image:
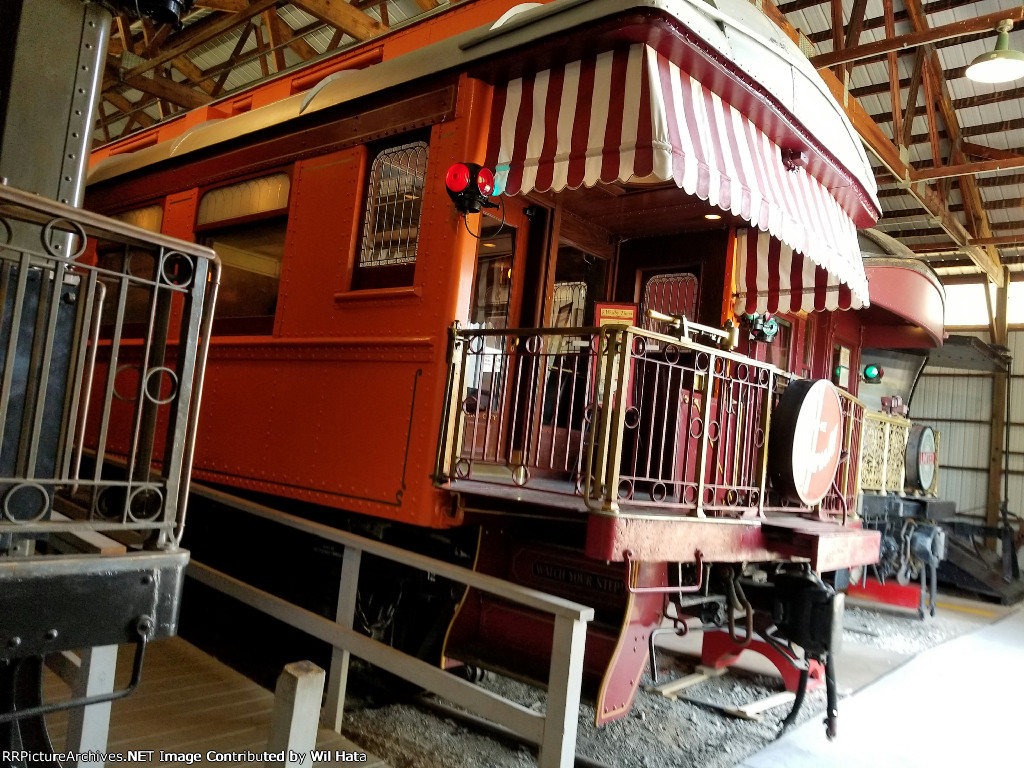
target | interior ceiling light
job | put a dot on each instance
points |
(1001, 65)
(712, 216)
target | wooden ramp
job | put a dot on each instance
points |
(188, 702)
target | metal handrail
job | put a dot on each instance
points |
(554, 730)
(506, 388)
(112, 323)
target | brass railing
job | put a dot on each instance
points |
(615, 416)
(842, 499)
(883, 452)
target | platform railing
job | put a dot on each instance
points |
(883, 452)
(102, 349)
(616, 416)
(841, 501)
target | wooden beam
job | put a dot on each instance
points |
(902, 42)
(979, 100)
(124, 31)
(990, 153)
(169, 90)
(262, 47)
(856, 25)
(1000, 240)
(228, 6)
(340, 14)
(280, 30)
(193, 74)
(428, 5)
(930, 97)
(837, 26)
(996, 96)
(915, 87)
(1000, 404)
(155, 38)
(975, 130)
(964, 169)
(235, 53)
(878, 22)
(128, 108)
(1001, 181)
(336, 39)
(926, 196)
(894, 74)
(277, 39)
(1008, 226)
(999, 205)
(202, 32)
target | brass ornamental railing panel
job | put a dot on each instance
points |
(883, 453)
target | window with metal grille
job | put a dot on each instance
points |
(391, 221)
(672, 294)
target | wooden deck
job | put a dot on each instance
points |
(188, 702)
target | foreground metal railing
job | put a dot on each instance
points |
(102, 348)
(883, 453)
(553, 730)
(616, 416)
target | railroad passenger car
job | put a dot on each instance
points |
(577, 369)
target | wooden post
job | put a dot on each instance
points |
(88, 727)
(334, 707)
(1000, 337)
(296, 717)
(558, 743)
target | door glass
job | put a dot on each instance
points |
(492, 286)
(580, 280)
(489, 310)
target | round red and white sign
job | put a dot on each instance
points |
(806, 441)
(920, 458)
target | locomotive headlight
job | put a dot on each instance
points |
(469, 185)
(873, 373)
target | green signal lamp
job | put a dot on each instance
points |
(873, 373)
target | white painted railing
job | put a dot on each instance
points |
(554, 731)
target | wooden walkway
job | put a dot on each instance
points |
(188, 702)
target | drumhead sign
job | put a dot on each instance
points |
(806, 441)
(920, 458)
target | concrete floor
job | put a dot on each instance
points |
(957, 704)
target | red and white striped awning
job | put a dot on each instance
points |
(772, 277)
(632, 115)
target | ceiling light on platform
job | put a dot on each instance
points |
(712, 216)
(1001, 65)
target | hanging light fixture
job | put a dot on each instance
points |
(1001, 65)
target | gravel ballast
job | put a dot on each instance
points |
(658, 732)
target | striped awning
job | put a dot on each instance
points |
(772, 277)
(632, 115)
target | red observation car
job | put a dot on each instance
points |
(575, 366)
